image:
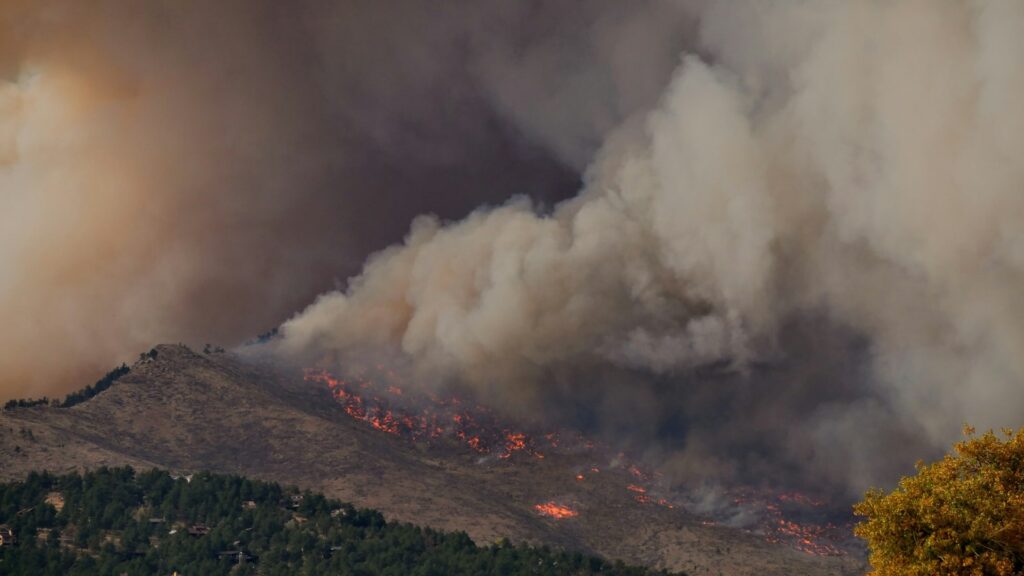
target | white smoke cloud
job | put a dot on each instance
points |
(857, 161)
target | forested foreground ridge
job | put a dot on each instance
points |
(119, 521)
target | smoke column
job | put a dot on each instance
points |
(196, 171)
(825, 200)
(752, 239)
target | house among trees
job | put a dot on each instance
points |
(238, 556)
(66, 539)
(6, 536)
(56, 500)
(198, 530)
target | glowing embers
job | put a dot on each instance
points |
(514, 442)
(386, 406)
(555, 510)
(794, 519)
(376, 415)
(640, 495)
(813, 539)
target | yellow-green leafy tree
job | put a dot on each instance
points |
(962, 515)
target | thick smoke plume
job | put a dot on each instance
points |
(755, 239)
(197, 171)
(807, 255)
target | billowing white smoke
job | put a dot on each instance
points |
(858, 161)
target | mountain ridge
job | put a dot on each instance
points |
(189, 411)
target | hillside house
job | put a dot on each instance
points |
(55, 499)
(6, 536)
(67, 536)
(198, 530)
(238, 556)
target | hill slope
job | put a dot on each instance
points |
(188, 411)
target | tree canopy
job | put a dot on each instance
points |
(962, 515)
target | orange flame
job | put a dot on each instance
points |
(556, 511)
(445, 417)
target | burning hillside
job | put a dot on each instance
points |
(377, 397)
(747, 242)
(188, 411)
(388, 407)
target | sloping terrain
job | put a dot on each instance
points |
(188, 411)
